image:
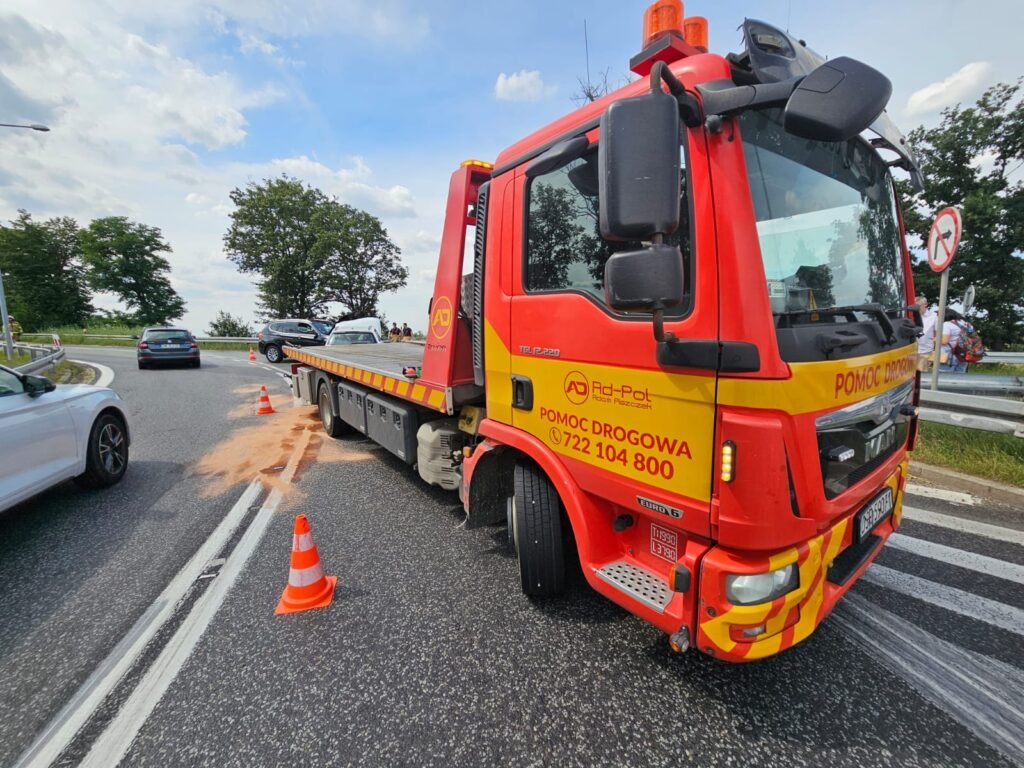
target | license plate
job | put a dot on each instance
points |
(876, 510)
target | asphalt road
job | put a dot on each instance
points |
(429, 653)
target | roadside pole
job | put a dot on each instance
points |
(8, 339)
(943, 238)
(943, 294)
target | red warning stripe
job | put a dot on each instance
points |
(416, 391)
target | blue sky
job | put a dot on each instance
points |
(159, 109)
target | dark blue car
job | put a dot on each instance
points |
(167, 345)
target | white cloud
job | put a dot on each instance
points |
(524, 85)
(965, 83)
(349, 185)
(136, 130)
(250, 43)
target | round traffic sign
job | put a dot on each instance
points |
(943, 238)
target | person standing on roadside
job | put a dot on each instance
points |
(395, 334)
(949, 362)
(15, 328)
(926, 341)
(406, 332)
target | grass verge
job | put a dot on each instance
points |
(72, 373)
(996, 369)
(972, 451)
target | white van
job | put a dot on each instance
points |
(363, 330)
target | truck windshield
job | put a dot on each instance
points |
(826, 219)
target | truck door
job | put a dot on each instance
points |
(585, 379)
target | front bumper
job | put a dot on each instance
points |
(789, 619)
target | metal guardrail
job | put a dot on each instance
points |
(991, 414)
(42, 357)
(981, 384)
(1004, 357)
(208, 339)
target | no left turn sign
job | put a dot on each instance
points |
(943, 239)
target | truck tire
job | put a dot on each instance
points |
(537, 532)
(333, 426)
(273, 353)
(106, 454)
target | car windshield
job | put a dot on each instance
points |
(322, 327)
(168, 336)
(826, 219)
(352, 337)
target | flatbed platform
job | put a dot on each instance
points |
(380, 367)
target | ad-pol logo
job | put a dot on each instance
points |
(578, 389)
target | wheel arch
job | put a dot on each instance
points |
(516, 444)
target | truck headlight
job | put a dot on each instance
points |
(751, 588)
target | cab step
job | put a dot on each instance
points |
(639, 583)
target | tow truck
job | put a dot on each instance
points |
(685, 350)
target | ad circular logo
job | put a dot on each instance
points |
(441, 318)
(577, 388)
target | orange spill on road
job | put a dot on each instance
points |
(264, 447)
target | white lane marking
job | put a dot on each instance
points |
(106, 374)
(955, 497)
(968, 604)
(958, 557)
(62, 729)
(113, 744)
(1011, 535)
(984, 694)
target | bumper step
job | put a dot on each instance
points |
(642, 585)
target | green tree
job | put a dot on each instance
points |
(229, 325)
(125, 258)
(44, 275)
(309, 250)
(360, 261)
(969, 161)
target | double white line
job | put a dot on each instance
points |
(113, 743)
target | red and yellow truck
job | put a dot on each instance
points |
(684, 351)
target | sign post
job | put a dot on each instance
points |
(943, 238)
(8, 340)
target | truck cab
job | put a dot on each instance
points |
(726, 424)
(685, 352)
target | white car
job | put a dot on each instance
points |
(49, 434)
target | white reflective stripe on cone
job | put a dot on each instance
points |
(302, 542)
(303, 577)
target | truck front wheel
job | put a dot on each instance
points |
(536, 532)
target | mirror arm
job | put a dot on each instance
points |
(729, 101)
(689, 107)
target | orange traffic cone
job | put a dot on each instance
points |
(307, 586)
(252, 353)
(264, 407)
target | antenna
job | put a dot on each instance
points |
(586, 51)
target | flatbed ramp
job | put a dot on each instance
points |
(379, 367)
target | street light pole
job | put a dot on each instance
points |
(33, 126)
(8, 338)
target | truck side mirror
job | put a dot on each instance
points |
(837, 101)
(638, 167)
(650, 280)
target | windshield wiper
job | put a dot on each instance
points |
(877, 311)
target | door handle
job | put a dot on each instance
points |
(522, 393)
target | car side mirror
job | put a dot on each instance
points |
(837, 101)
(639, 167)
(644, 281)
(37, 385)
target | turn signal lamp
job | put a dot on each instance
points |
(728, 461)
(695, 32)
(663, 17)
